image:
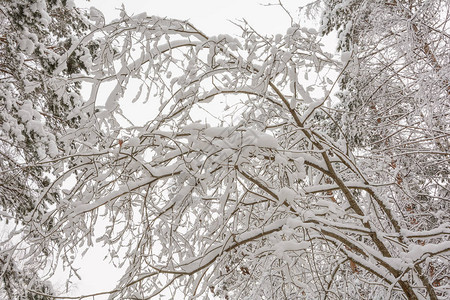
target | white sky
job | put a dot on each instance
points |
(208, 15)
(211, 17)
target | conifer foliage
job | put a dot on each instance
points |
(35, 110)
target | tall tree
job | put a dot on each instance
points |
(270, 196)
(37, 106)
(396, 101)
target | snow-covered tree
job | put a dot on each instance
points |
(15, 278)
(395, 101)
(36, 108)
(36, 105)
(248, 180)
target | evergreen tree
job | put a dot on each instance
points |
(37, 106)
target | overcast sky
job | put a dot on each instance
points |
(210, 16)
